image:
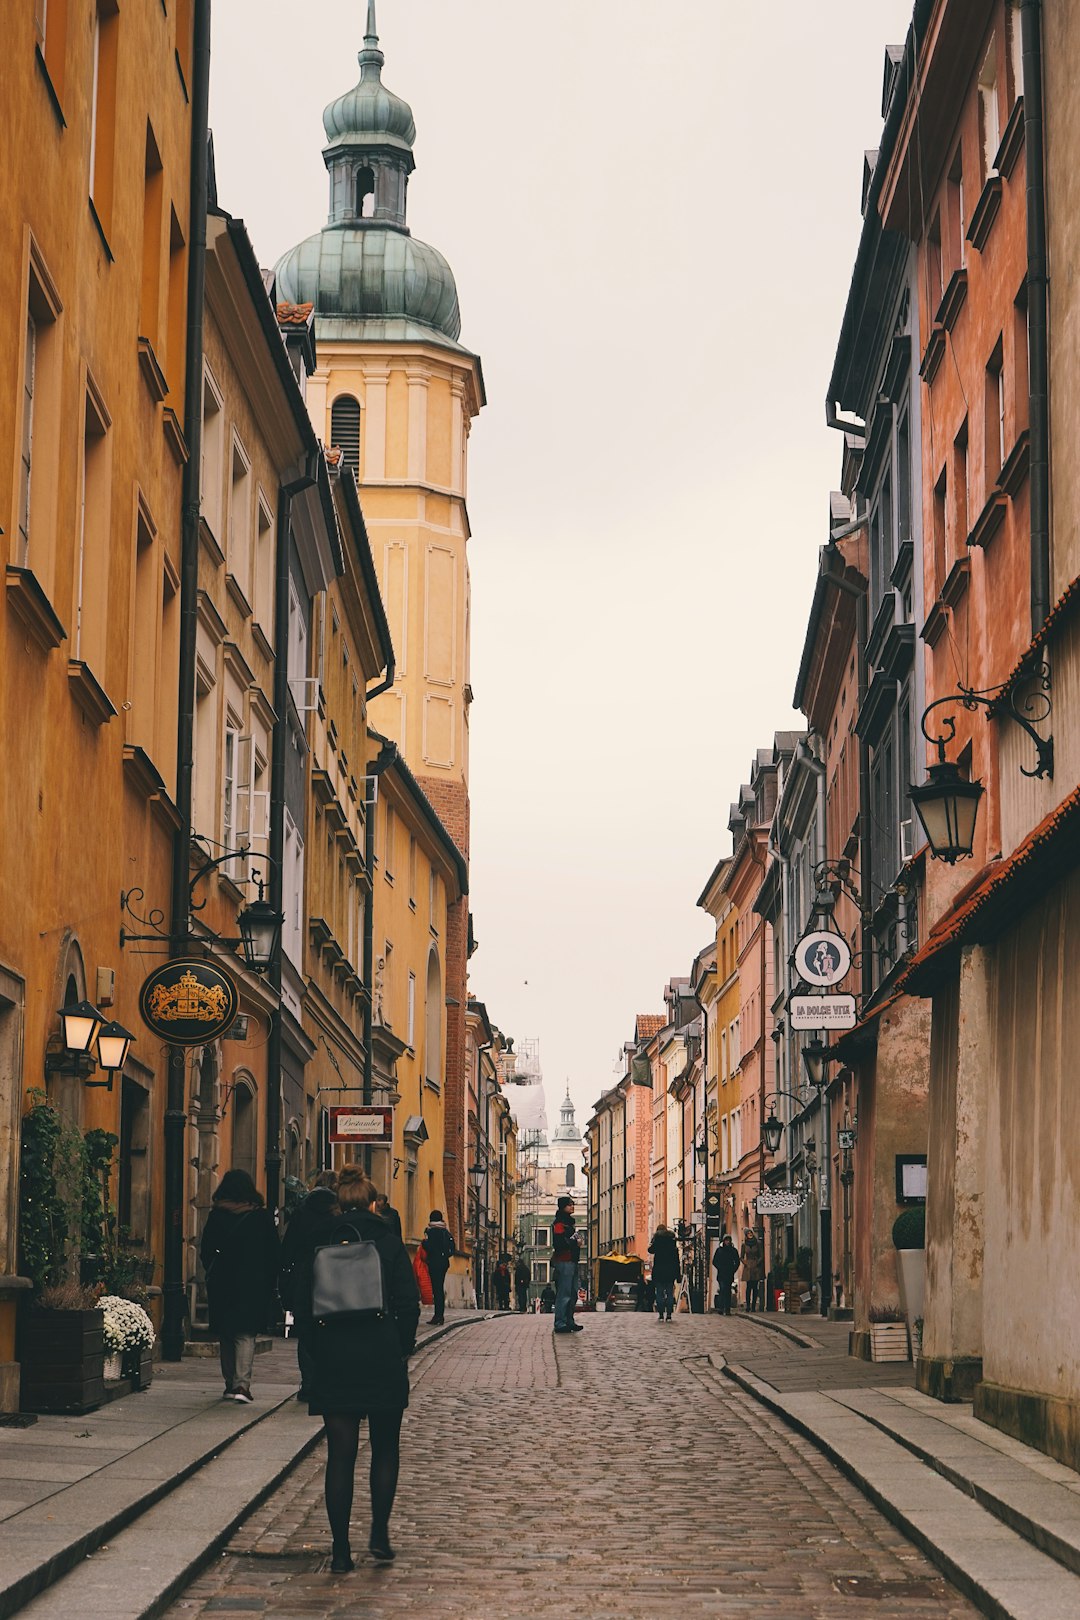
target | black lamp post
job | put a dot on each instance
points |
(477, 1172)
(260, 930)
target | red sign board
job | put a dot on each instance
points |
(361, 1124)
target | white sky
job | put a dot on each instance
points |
(652, 212)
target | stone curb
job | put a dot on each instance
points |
(1004, 1575)
(765, 1319)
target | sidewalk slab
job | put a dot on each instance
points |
(988, 1560)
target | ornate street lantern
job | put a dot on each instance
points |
(947, 805)
(81, 1024)
(772, 1131)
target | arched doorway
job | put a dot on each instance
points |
(245, 1127)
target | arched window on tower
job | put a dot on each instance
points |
(345, 431)
(570, 1173)
(365, 193)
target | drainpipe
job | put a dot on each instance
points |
(812, 763)
(172, 1331)
(374, 771)
(286, 495)
(866, 938)
(1037, 317)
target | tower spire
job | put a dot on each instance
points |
(371, 58)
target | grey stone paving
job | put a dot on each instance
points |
(682, 1496)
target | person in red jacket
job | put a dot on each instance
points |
(566, 1251)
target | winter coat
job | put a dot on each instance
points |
(564, 1243)
(312, 1212)
(726, 1263)
(522, 1277)
(361, 1365)
(439, 1246)
(240, 1253)
(665, 1253)
(753, 1262)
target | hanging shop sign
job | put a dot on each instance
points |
(361, 1124)
(822, 1012)
(822, 958)
(189, 1002)
(779, 1203)
(845, 1140)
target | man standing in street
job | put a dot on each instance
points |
(565, 1253)
(752, 1259)
(439, 1246)
(725, 1264)
(521, 1284)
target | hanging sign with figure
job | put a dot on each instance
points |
(822, 958)
(189, 1002)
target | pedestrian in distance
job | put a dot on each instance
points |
(666, 1270)
(565, 1252)
(521, 1285)
(360, 1370)
(312, 1212)
(439, 1248)
(385, 1208)
(240, 1255)
(752, 1259)
(547, 1299)
(503, 1279)
(725, 1264)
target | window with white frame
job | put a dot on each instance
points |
(238, 538)
(541, 1237)
(212, 471)
(539, 1271)
(411, 1024)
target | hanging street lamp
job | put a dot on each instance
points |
(817, 1056)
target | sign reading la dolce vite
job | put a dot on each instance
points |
(188, 1002)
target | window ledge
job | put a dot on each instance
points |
(32, 607)
(933, 354)
(210, 544)
(174, 436)
(236, 592)
(96, 217)
(54, 99)
(1015, 469)
(152, 374)
(989, 520)
(951, 594)
(141, 772)
(88, 693)
(1012, 141)
(986, 211)
(262, 640)
(952, 300)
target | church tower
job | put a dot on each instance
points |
(396, 392)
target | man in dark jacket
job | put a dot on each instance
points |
(566, 1251)
(725, 1264)
(439, 1248)
(666, 1270)
(521, 1285)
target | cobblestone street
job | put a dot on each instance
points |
(616, 1473)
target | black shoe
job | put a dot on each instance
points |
(380, 1549)
(436, 1321)
(341, 1562)
(576, 1327)
(562, 1330)
(669, 1318)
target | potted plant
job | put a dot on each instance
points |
(888, 1334)
(909, 1240)
(62, 1351)
(128, 1336)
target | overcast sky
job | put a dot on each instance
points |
(652, 212)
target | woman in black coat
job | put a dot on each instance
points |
(666, 1269)
(239, 1252)
(360, 1369)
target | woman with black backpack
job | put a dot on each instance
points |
(239, 1252)
(360, 1364)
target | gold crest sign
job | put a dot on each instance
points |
(189, 1002)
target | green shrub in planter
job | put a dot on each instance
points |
(909, 1228)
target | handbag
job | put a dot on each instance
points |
(347, 1279)
(423, 1276)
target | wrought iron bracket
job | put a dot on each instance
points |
(1027, 710)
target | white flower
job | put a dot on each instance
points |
(127, 1326)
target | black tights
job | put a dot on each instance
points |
(342, 1444)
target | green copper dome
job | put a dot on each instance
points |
(367, 277)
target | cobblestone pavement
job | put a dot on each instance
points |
(612, 1475)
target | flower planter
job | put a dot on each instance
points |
(113, 1368)
(138, 1365)
(63, 1361)
(889, 1341)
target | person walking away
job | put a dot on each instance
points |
(240, 1254)
(312, 1212)
(439, 1248)
(547, 1299)
(725, 1264)
(752, 1258)
(521, 1285)
(666, 1270)
(503, 1281)
(385, 1208)
(566, 1251)
(360, 1370)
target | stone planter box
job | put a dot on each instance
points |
(63, 1361)
(889, 1341)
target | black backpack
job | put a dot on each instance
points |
(347, 1279)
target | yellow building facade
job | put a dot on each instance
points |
(397, 392)
(95, 124)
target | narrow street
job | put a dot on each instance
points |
(617, 1473)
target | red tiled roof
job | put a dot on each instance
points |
(294, 314)
(646, 1025)
(971, 916)
(1067, 602)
